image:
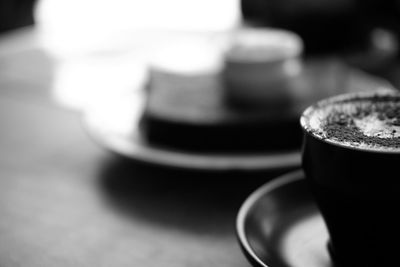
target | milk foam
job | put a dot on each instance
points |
(365, 114)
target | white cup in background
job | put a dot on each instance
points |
(261, 66)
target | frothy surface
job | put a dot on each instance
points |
(363, 120)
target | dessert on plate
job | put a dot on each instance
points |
(189, 104)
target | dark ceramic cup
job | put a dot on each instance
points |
(357, 188)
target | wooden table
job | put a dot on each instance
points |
(64, 201)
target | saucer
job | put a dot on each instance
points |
(279, 225)
(114, 124)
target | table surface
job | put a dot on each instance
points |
(64, 201)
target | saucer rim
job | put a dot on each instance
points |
(249, 203)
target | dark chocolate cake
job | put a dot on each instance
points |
(192, 115)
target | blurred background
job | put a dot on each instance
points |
(364, 33)
(66, 201)
(326, 25)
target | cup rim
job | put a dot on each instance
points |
(304, 118)
(266, 36)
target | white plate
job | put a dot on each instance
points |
(114, 124)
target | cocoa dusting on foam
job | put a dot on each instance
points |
(366, 122)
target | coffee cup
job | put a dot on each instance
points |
(351, 159)
(261, 68)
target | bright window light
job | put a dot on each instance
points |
(103, 47)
